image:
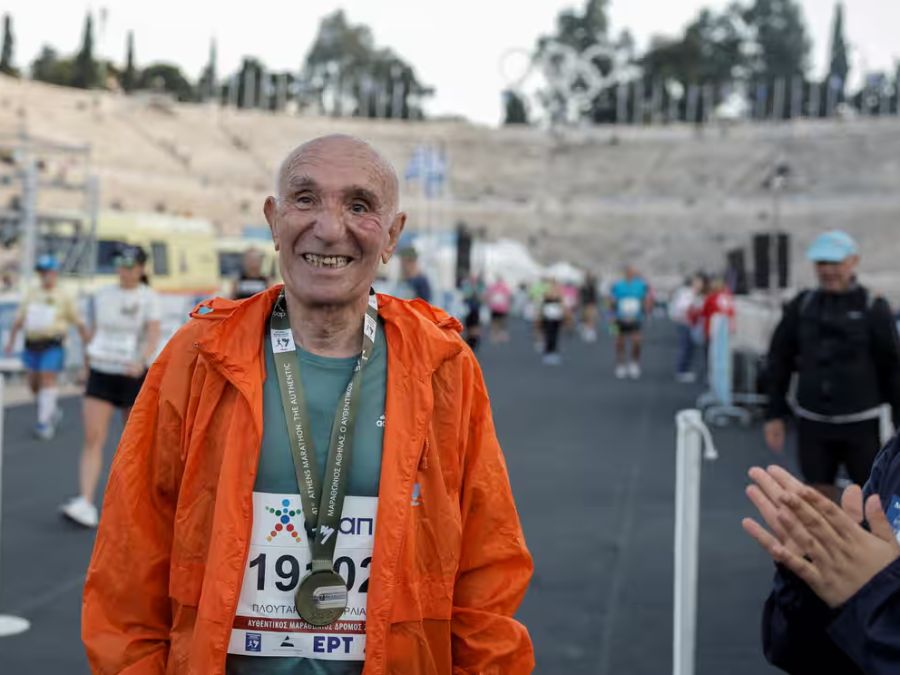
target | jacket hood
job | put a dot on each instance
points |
(230, 332)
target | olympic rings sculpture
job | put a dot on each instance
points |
(569, 78)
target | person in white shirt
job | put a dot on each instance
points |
(126, 332)
(684, 308)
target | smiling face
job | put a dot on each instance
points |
(334, 220)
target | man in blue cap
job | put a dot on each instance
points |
(833, 606)
(841, 341)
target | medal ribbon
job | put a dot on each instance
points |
(322, 508)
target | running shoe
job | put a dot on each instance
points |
(634, 370)
(79, 510)
(44, 431)
(686, 378)
(621, 371)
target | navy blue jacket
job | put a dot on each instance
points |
(802, 635)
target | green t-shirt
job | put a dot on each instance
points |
(324, 381)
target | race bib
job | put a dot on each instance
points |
(498, 300)
(116, 347)
(629, 308)
(553, 311)
(39, 317)
(266, 622)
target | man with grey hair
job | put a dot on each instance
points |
(310, 481)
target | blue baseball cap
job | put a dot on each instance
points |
(46, 263)
(832, 247)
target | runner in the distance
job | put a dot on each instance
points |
(499, 299)
(629, 300)
(553, 314)
(126, 331)
(588, 296)
(46, 313)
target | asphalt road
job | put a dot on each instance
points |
(592, 463)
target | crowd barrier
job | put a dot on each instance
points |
(693, 445)
(9, 625)
(720, 403)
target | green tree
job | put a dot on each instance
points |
(49, 67)
(780, 41)
(710, 51)
(347, 72)
(839, 66)
(85, 73)
(515, 111)
(6, 57)
(583, 29)
(896, 106)
(129, 75)
(168, 78)
(207, 84)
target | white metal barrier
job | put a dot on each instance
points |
(694, 443)
(9, 625)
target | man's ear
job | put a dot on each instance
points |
(270, 209)
(394, 233)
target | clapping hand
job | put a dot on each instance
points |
(823, 544)
(767, 492)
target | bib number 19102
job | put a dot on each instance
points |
(288, 571)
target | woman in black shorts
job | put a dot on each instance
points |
(126, 331)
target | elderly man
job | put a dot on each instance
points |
(310, 481)
(841, 341)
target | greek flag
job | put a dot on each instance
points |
(429, 165)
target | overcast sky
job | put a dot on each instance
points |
(455, 45)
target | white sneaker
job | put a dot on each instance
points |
(686, 377)
(634, 370)
(81, 511)
(621, 371)
(552, 360)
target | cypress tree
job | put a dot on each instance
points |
(85, 71)
(129, 77)
(6, 57)
(838, 66)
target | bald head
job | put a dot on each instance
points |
(341, 147)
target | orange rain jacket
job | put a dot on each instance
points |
(166, 572)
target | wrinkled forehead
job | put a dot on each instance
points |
(337, 165)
